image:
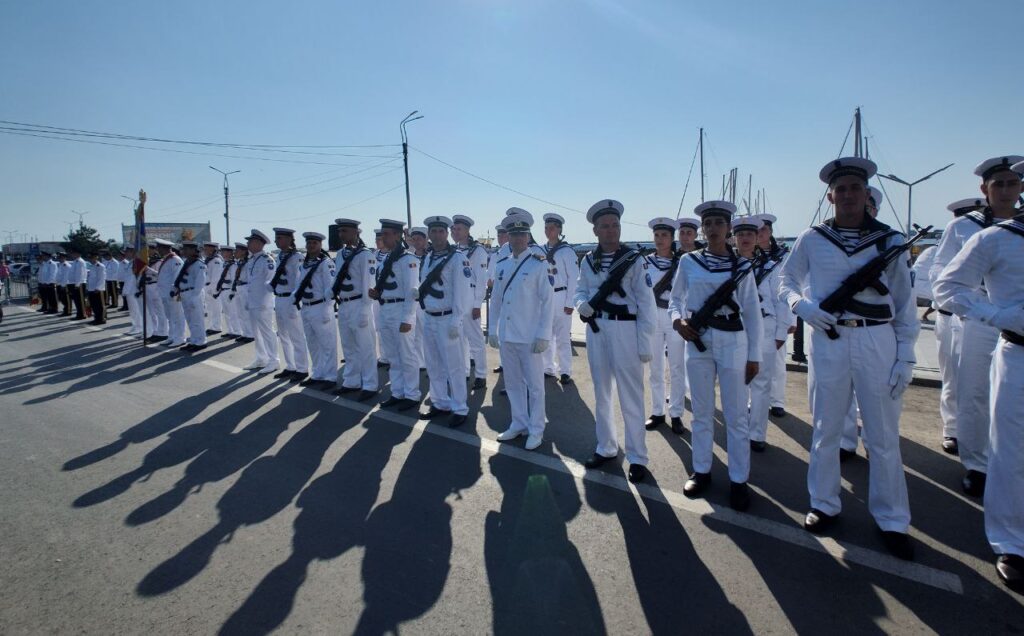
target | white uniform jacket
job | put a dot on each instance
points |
(637, 284)
(522, 299)
(257, 273)
(401, 285)
(452, 292)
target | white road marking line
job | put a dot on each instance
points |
(839, 550)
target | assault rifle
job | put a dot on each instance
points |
(867, 276)
(720, 297)
(610, 285)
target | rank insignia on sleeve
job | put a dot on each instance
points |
(467, 272)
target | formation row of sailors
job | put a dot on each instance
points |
(72, 281)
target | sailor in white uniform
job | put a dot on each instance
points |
(156, 319)
(418, 246)
(732, 342)
(95, 287)
(565, 269)
(378, 260)
(394, 289)
(620, 317)
(522, 304)
(218, 293)
(767, 243)
(445, 295)
(354, 268)
(236, 295)
(189, 289)
(665, 342)
(174, 314)
(259, 302)
(290, 328)
(985, 283)
(312, 294)
(872, 357)
(501, 251)
(130, 289)
(1001, 187)
(214, 269)
(473, 335)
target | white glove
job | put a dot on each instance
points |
(899, 379)
(493, 341)
(1009, 318)
(416, 293)
(540, 345)
(586, 311)
(453, 331)
(814, 315)
(645, 357)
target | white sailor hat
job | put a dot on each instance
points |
(1018, 167)
(463, 219)
(845, 166)
(501, 228)
(663, 223)
(551, 217)
(346, 222)
(376, 232)
(437, 221)
(241, 246)
(389, 224)
(511, 211)
(283, 230)
(212, 244)
(989, 167)
(767, 219)
(518, 223)
(966, 205)
(189, 244)
(256, 234)
(688, 220)
(603, 207)
(226, 247)
(715, 208)
(313, 236)
(876, 195)
(752, 223)
(418, 230)
(159, 242)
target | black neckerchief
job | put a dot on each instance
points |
(872, 233)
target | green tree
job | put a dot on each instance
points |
(84, 239)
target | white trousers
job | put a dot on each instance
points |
(227, 309)
(262, 321)
(195, 319)
(175, 316)
(156, 319)
(374, 321)
(760, 388)
(359, 348)
(524, 382)
(213, 310)
(291, 333)
(948, 334)
(667, 346)
(135, 312)
(851, 434)
(419, 339)
(726, 358)
(321, 337)
(560, 346)
(860, 362)
(1004, 487)
(245, 326)
(615, 360)
(446, 365)
(400, 349)
(972, 399)
(474, 345)
(778, 397)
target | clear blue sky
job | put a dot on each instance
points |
(569, 101)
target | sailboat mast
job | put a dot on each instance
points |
(857, 151)
(701, 144)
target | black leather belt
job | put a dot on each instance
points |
(858, 322)
(345, 300)
(315, 302)
(282, 295)
(558, 289)
(388, 301)
(1014, 337)
(240, 283)
(945, 313)
(436, 314)
(606, 316)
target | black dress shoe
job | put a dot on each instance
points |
(408, 403)
(597, 459)
(677, 426)
(391, 401)
(758, 446)
(654, 421)
(240, 338)
(974, 483)
(343, 390)
(739, 496)
(230, 335)
(696, 484)
(950, 445)
(457, 420)
(565, 379)
(433, 413)
(497, 369)
(365, 395)
(78, 318)
(817, 521)
(198, 347)
(636, 473)
(1010, 568)
(297, 377)
(210, 332)
(846, 454)
(550, 376)
(479, 383)
(898, 544)
(189, 348)
(156, 338)
(309, 382)
(777, 411)
(283, 374)
(97, 322)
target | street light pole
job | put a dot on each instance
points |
(227, 227)
(405, 162)
(910, 193)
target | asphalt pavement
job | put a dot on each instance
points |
(149, 491)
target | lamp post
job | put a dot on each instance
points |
(910, 191)
(227, 227)
(405, 162)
